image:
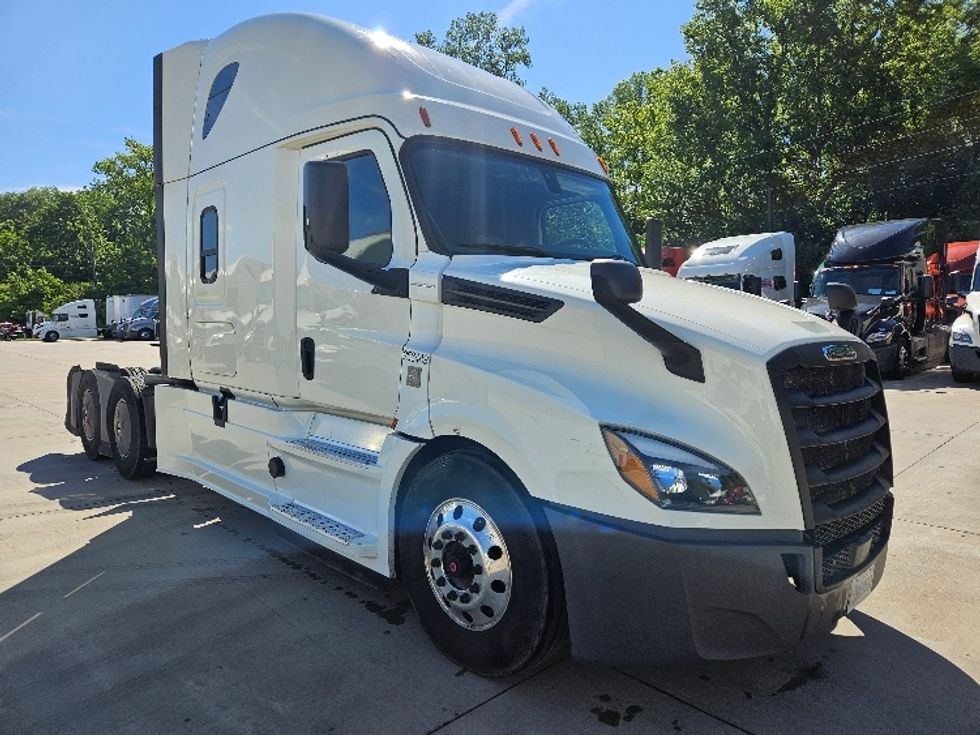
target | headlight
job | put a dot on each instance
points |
(675, 478)
(877, 338)
(958, 337)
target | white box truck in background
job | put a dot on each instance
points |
(764, 264)
(964, 337)
(72, 320)
(119, 309)
(401, 316)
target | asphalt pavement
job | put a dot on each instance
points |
(159, 607)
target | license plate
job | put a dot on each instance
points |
(860, 587)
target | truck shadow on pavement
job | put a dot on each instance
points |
(169, 608)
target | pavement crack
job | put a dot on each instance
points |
(683, 701)
(28, 403)
(937, 448)
(490, 699)
(935, 525)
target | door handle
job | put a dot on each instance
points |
(307, 356)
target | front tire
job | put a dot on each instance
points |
(903, 360)
(146, 334)
(51, 336)
(480, 566)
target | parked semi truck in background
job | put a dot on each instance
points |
(72, 320)
(898, 309)
(764, 264)
(120, 309)
(964, 338)
(404, 319)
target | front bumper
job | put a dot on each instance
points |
(636, 597)
(965, 358)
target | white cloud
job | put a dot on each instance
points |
(511, 10)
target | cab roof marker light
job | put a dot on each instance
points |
(517, 136)
(424, 114)
(537, 141)
(602, 163)
(554, 146)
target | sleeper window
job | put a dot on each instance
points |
(209, 245)
(220, 88)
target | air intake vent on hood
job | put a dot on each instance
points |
(498, 300)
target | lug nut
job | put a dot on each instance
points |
(437, 546)
(472, 549)
(447, 534)
(459, 536)
(452, 595)
(464, 598)
(441, 581)
(477, 569)
(437, 562)
(475, 588)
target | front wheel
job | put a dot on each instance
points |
(146, 334)
(903, 360)
(51, 336)
(480, 566)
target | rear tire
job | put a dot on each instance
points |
(480, 566)
(89, 415)
(127, 429)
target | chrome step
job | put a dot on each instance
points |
(360, 543)
(312, 447)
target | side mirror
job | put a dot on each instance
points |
(926, 287)
(841, 297)
(654, 247)
(752, 284)
(326, 228)
(616, 280)
(779, 282)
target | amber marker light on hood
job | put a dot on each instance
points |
(424, 114)
(517, 136)
(537, 141)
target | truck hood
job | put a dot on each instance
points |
(690, 309)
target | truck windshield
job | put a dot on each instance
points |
(726, 280)
(478, 200)
(874, 280)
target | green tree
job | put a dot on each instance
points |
(801, 116)
(36, 288)
(120, 207)
(480, 40)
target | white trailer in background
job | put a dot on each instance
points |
(121, 308)
(768, 256)
(402, 317)
(72, 320)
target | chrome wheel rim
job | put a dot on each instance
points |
(468, 564)
(89, 412)
(120, 427)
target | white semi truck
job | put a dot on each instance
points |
(964, 335)
(403, 317)
(763, 263)
(72, 320)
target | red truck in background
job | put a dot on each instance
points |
(673, 258)
(960, 257)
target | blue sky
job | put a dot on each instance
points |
(76, 77)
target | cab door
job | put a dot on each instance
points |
(352, 307)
